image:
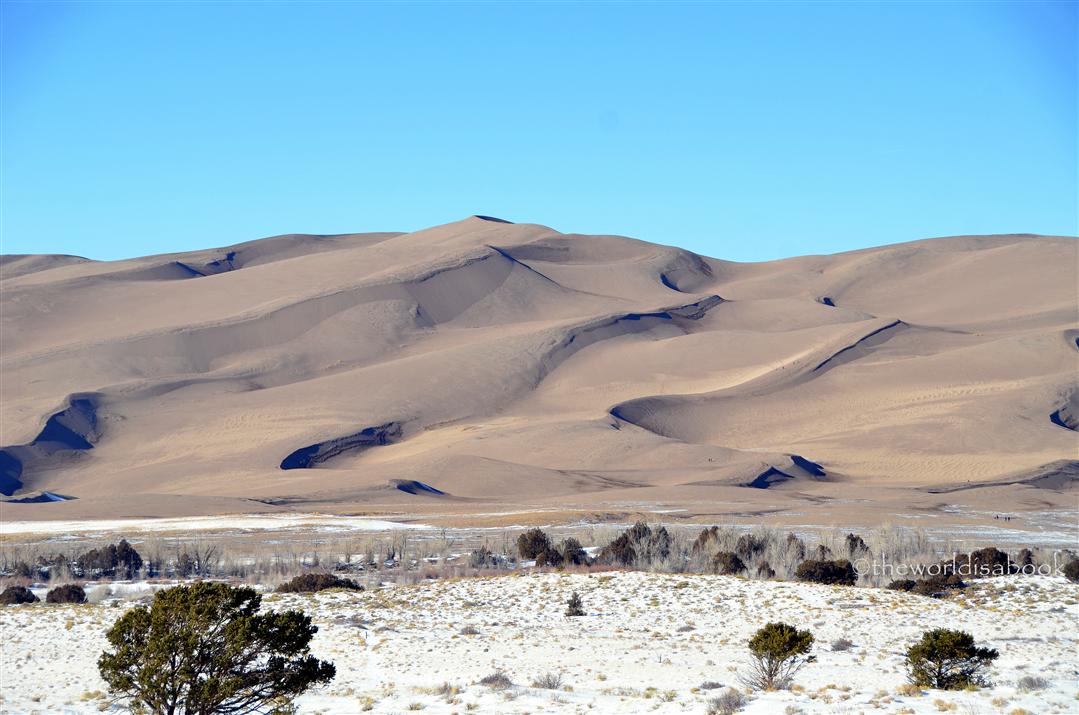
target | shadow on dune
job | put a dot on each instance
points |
(412, 486)
(74, 429)
(314, 454)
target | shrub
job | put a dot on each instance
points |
(639, 545)
(901, 584)
(69, 593)
(548, 681)
(834, 572)
(532, 543)
(705, 538)
(206, 648)
(710, 685)
(573, 553)
(841, 644)
(779, 651)
(482, 558)
(1071, 570)
(948, 660)
(986, 562)
(855, 545)
(1025, 557)
(497, 680)
(821, 553)
(750, 546)
(313, 582)
(186, 565)
(549, 557)
(17, 594)
(796, 548)
(470, 631)
(575, 605)
(765, 570)
(113, 561)
(727, 562)
(730, 702)
(1030, 683)
(937, 586)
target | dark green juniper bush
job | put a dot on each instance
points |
(119, 561)
(948, 660)
(17, 594)
(313, 582)
(206, 649)
(779, 651)
(68, 593)
(575, 605)
(834, 572)
(532, 543)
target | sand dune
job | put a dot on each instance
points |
(485, 362)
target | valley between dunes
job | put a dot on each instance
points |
(488, 372)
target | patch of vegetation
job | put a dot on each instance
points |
(727, 562)
(640, 545)
(938, 586)
(497, 680)
(68, 593)
(841, 644)
(989, 561)
(749, 546)
(901, 584)
(855, 546)
(313, 582)
(1031, 683)
(778, 650)
(532, 543)
(207, 648)
(705, 539)
(119, 561)
(730, 702)
(535, 544)
(832, 572)
(575, 605)
(1071, 570)
(949, 660)
(573, 554)
(17, 594)
(483, 558)
(548, 681)
(796, 548)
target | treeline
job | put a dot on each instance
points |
(898, 559)
(771, 555)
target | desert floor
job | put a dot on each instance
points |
(647, 644)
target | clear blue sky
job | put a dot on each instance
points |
(742, 131)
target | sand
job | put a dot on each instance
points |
(485, 367)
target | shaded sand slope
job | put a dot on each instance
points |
(506, 363)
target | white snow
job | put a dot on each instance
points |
(248, 522)
(394, 647)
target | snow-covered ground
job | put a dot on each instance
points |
(647, 643)
(239, 522)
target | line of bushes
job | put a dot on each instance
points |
(761, 554)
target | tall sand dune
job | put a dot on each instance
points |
(486, 363)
